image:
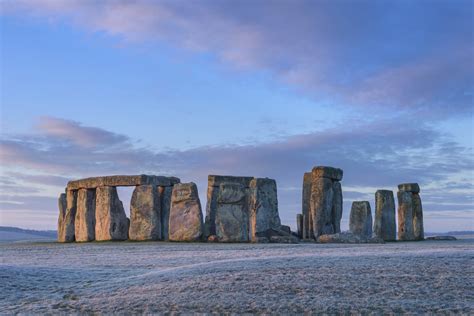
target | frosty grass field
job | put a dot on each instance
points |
(47, 277)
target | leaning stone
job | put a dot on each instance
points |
(232, 215)
(441, 238)
(384, 223)
(337, 206)
(85, 215)
(68, 233)
(145, 214)
(165, 198)
(299, 225)
(409, 187)
(111, 221)
(327, 172)
(322, 194)
(263, 205)
(405, 216)
(185, 222)
(418, 230)
(62, 205)
(360, 222)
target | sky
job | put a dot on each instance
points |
(382, 89)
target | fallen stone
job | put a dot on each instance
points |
(409, 187)
(185, 221)
(384, 224)
(145, 214)
(286, 229)
(121, 180)
(360, 221)
(263, 205)
(348, 238)
(322, 194)
(62, 205)
(405, 216)
(441, 238)
(283, 239)
(212, 238)
(418, 229)
(327, 172)
(165, 199)
(85, 215)
(111, 221)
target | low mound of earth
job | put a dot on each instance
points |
(150, 277)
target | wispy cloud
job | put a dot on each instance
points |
(409, 55)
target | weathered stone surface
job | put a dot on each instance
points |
(405, 216)
(275, 236)
(121, 180)
(145, 214)
(337, 206)
(185, 221)
(327, 172)
(85, 215)
(348, 238)
(441, 238)
(111, 221)
(232, 214)
(306, 206)
(68, 230)
(418, 229)
(299, 225)
(322, 194)
(360, 222)
(62, 205)
(385, 226)
(263, 205)
(286, 229)
(284, 239)
(165, 198)
(409, 187)
(215, 180)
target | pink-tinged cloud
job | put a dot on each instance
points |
(359, 53)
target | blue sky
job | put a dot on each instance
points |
(382, 89)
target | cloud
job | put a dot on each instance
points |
(405, 55)
(376, 155)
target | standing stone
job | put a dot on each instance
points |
(68, 231)
(405, 216)
(306, 206)
(62, 205)
(165, 198)
(337, 206)
(384, 223)
(145, 213)
(299, 225)
(418, 230)
(111, 221)
(322, 194)
(85, 215)
(232, 218)
(263, 206)
(185, 219)
(360, 222)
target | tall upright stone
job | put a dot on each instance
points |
(185, 219)
(68, 229)
(325, 201)
(299, 225)
(385, 226)
(232, 213)
(360, 221)
(85, 215)
(405, 216)
(307, 232)
(111, 221)
(263, 206)
(418, 229)
(165, 198)
(145, 214)
(62, 205)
